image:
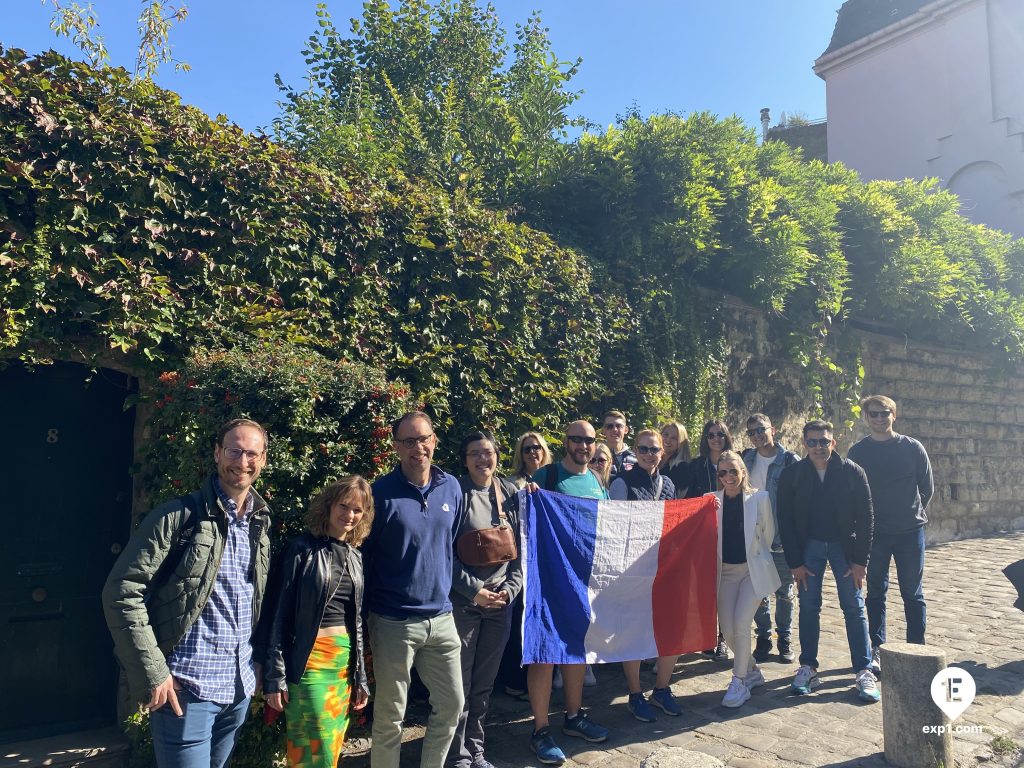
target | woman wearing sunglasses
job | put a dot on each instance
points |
(714, 439)
(531, 454)
(644, 482)
(601, 464)
(747, 571)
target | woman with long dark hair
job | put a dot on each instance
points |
(714, 438)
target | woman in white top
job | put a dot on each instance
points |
(746, 570)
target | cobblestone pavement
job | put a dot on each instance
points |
(970, 616)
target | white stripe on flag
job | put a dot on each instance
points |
(625, 563)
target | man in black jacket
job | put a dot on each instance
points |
(825, 516)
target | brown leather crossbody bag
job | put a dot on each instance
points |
(489, 546)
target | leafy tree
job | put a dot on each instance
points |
(156, 18)
(678, 213)
(424, 89)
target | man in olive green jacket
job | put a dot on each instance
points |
(182, 602)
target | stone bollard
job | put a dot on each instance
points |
(907, 706)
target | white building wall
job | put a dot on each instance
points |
(940, 93)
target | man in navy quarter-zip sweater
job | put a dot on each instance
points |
(408, 566)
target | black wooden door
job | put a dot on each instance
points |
(65, 513)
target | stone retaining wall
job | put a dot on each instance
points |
(969, 417)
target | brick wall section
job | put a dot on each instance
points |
(969, 417)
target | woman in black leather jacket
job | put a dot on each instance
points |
(313, 662)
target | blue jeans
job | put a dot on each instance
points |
(851, 600)
(907, 549)
(202, 737)
(783, 604)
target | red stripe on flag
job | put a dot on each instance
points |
(685, 590)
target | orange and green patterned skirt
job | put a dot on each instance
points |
(317, 712)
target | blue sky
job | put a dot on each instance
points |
(723, 56)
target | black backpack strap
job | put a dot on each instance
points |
(186, 531)
(551, 478)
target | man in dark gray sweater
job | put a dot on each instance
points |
(900, 476)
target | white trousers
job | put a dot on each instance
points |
(737, 605)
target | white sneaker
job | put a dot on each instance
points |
(737, 693)
(588, 677)
(556, 681)
(876, 662)
(754, 678)
(867, 686)
(805, 680)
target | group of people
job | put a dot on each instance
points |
(421, 571)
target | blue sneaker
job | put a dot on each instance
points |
(663, 699)
(805, 680)
(867, 686)
(640, 708)
(582, 727)
(545, 748)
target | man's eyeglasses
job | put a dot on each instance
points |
(481, 455)
(718, 435)
(879, 414)
(645, 449)
(578, 439)
(532, 449)
(412, 442)
(818, 442)
(236, 453)
(755, 431)
(727, 472)
(613, 425)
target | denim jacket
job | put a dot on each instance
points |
(783, 459)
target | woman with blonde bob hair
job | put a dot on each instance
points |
(313, 630)
(531, 454)
(746, 569)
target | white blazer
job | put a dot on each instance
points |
(759, 532)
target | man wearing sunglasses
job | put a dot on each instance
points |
(900, 475)
(824, 506)
(183, 599)
(765, 462)
(573, 477)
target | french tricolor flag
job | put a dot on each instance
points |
(617, 580)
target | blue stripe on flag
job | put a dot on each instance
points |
(559, 533)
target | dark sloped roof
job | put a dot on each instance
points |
(859, 18)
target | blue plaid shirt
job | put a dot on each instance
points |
(214, 659)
